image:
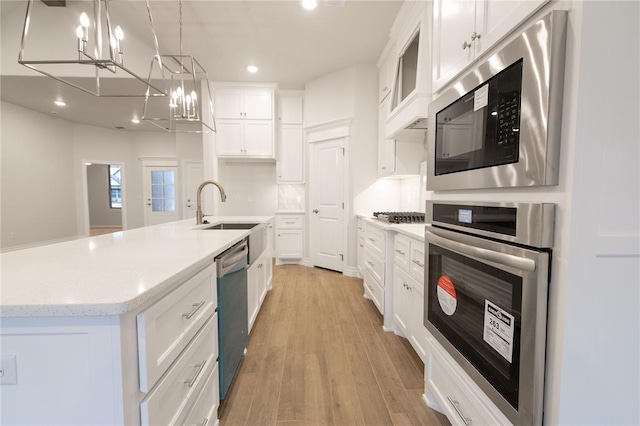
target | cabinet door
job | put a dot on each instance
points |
(258, 104)
(228, 103)
(386, 147)
(291, 154)
(401, 302)
(290, 110)
(258, 138)
(253, 292)
(229, 137)
(289, 244)
(385, 79)
(419, 336)
(495, 19)
(453, 23)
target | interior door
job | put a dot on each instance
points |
(327, 204)
(193, 177)
(160, 184)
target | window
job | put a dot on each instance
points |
(163, 194)
(115, 188)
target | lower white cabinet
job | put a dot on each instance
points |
(408, 310)
(361, 243)
(179, 388)
(456, 394)
(289, 236)
(258, 282)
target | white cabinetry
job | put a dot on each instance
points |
(408, 292)
(258, 281)
(374, 266)
(289, 236)
(290, 164)
(361, 243)
(244, 121)
(119, 369)
(455, 393)
(463, 30)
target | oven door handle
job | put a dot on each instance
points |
(464, 245)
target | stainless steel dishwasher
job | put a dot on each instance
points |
(232, 311)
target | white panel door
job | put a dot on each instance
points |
(258, 138)
(229, 137)
(327, 204)
(290, 166)
(160, 185)
(193, 177)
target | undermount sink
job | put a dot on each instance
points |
(232, 226)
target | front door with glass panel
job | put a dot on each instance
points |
(160, 185)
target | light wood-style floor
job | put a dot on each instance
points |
(95, 231)
(317, 355)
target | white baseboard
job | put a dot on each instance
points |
(431, 402)
(307, 262)
(351, 272)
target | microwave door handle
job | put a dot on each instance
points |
(465, 246)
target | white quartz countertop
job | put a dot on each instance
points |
(110, 274)
(413, 230)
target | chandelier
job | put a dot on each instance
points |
(189, 108)
(83, 44)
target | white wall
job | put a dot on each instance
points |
(100, 211)
(250, 187)
(36, 179)
(43, 166)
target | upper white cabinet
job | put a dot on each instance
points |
(385, 71)
(244, 121)
(245, 103)
(411, 81)
(290, 164)
(464, 30)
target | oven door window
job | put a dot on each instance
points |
(477, 308)
(481, 129)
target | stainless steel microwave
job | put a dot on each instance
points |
(500, 125)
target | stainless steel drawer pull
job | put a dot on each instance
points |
(196, 306)
(290, 223)
(191, 382)
(205, 421)
(371, 264)
(400, 252)
(371, 239)
(418, 263)
(456, 406)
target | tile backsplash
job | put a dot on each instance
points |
(291, 197)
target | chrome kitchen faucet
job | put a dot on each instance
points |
(199, 213)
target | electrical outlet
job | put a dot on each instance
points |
(8, 370)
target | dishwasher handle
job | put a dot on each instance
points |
(232, 257)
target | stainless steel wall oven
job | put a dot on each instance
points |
(499, 126)
(487, 268)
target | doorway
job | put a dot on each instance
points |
(160, 193)
(104, 207)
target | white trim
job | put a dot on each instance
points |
(225, 84)
(351, 272)
(158, 161)
(329, 130)
(85, 193)
(307, 262)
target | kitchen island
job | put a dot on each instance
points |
(99, 330)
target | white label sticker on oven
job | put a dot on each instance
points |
(498, 329)
(481, 97)
(447, 295)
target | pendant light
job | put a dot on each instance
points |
(84, 44)
(189, 107)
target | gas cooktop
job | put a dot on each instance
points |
(400, 217)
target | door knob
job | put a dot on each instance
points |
(316, 211)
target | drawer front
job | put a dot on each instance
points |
(165, 329)
(417, 260)
(289, 222)
(205, 409)
(177, 391)
(374, 265)
(375, 239)
(455, 398)
(361, 228)
(373, 290)
(401, 252)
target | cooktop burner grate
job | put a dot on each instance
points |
(400, 217)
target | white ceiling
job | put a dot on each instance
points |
(290, 45)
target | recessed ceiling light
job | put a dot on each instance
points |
(135, 121)
(252, 68)
(60, 103)
(309, 4)
(87, 164)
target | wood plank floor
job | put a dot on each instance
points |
(317, 355)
